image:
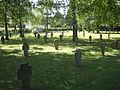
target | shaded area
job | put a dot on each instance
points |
(57, 71)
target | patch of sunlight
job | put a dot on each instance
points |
(67, 50)
(11, 47)
(15, 54)
(56, 59)
(94, 53)
(118, 60)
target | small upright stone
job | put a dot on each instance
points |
(24, 40)
(90, 38)
(45, 39)
(61, 37)
(83, 33)
(100, 36)
(102, 47)
(23, 74)
(78, 57)
(51, 34)
(35, 33)
(117, 45)
(3, 39)
(25, 49)
(63, 33)
(38, 35)
(56, 43)
(10, 34)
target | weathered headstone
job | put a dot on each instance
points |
(45, 39)
(23, 74)
(25, 49)
(22, 35)
(35, 33)
(83, 33)
(61, 37)
(24, 40)
(51, 34)
(117, 44)
(46, 33)
(38, 35)
(78, 57)
(90, 38)
(102, 47)
(10, 34)
(100, 36)
(56, 43)
(3, 39)
(63, 33)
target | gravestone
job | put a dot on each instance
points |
(90, 38)
(22, 34)
(38, 35)
(3, 39)
(51, 34)
(24, 40)
(100, 36)
(25, 49)
(56, 43)
(10, 34)
(61, 37)
(23, 74)
(117, 44)
(45, 39)
(83, 33)
(63, 33)
(35, 33)
(78, 57)
(102, 47)
(46, 33)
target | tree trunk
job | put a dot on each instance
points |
(6, 28)
(74, 21)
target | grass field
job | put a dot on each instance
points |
(56, 69)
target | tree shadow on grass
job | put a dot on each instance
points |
(57, 71)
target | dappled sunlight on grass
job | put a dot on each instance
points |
(56, 69)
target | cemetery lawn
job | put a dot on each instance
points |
(56, 69)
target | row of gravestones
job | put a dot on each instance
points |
(38, 35)
(25, 46)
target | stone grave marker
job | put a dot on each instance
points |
(3, 39)
(61, 37)
(102, 47)
(25, 49)
(90, 38)
(23, 74)
(78, 57)
(45, 39)
(51, 34)
(56, 43)
(38, 35)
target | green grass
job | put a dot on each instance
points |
(56, 69)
